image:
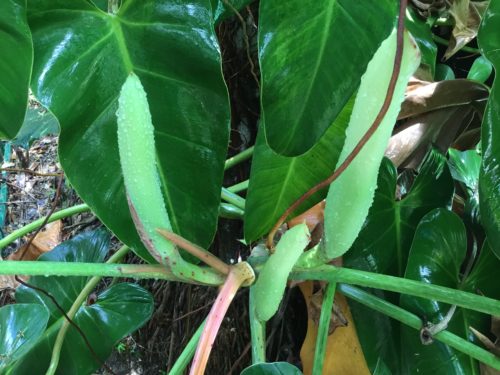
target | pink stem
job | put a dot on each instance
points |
(236, 277)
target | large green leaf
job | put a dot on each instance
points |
(82, 58)
(383, 244)
(15, 65)
(277, 181)
(489, 180)
(22, 325)
(312, 55)
(437, 256)
(117, 312)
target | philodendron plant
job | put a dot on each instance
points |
(328, 109)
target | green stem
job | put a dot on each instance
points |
(324, 326)
(414, 321)
(37, 223)
(230, 211)
(464, 48)
(400, 285)
(241, 157)
(233, 198)
(188, 352)
(238, 187)
(87, 289)
(257, 332)
(137, 271)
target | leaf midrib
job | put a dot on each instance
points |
(324, 36)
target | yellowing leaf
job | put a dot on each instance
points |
(343, 351)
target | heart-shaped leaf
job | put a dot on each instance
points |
(15, 65)
(489, 180)
(384, 242)
(82, 57)
(117, 311)
(22, 325)
(306, 62)
(437, 256)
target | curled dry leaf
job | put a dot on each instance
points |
(428, 7)
(467, 16)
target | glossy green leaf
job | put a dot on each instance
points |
(421, 32)
(22, 325)
(444, 73)
(15, 65)
(437, 256)
(351, 194)
(82, 57)
(277, 181)
(117, 312)
(465, 167)
(384, 242)
(87, 247)
(480, 70)
(310, 68)
(489, 179)
(273, 368)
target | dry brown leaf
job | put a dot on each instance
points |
(467, 15)
(44, 241)
(408, 147)
(437, 114)
(8, 282)
(427, 7)
(422, 97)
(343, 351)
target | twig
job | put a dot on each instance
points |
(245, 38)
(366, 137)
(29, 171)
